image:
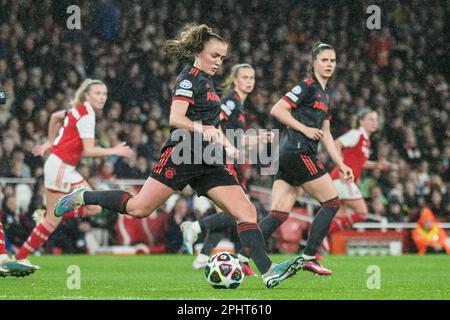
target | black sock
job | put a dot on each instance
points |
(115, 200)
(321, 225)
(217, 221)
(269, 224)
(211, 240)
(252, 242)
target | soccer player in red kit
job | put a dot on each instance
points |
(9, 267)
(76, 138)
(355, 148)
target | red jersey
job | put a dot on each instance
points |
(79, 124)
(355, 153)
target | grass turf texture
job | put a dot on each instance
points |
(172, 277)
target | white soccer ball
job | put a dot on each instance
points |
(224, 271)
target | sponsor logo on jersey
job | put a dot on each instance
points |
(212, 96)
(186, 84)
(320, 105)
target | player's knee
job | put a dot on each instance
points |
(138, 208)
(93, 210)
(364, 213)
(139, 213)
(53, 220)
(333, 204)
(279, 206)
(283, 203)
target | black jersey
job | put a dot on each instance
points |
(232, 112)
(310, 106)
(233, 118)
(197, 88)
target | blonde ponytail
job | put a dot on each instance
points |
(80, 95)
(228, 83)
(191, 40)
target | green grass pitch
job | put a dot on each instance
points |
(172, 277)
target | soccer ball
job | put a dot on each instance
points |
(224, 271)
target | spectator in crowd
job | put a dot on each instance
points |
(428, 235)
(106, 179)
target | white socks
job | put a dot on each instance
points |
(3, 258)
(202, 257)
(196, 227)
(243, 258)
(306, 257)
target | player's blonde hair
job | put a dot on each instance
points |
(228, 83)
(80, 95)
(191, 40)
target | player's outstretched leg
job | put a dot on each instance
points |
(70, 202)
(319, 229)
(190, 231)
(212, 238)
(268, 225)
(214, 226)
(9, 267)
(253, 242)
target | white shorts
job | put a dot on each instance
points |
(60, 176)
(347, 191)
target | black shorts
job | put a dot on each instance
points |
(297, 168)
(238, 172)
(201, 177)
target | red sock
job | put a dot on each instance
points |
(346, 222)
(77, 213)
(339, 224)
(357, 217)
(37, 238)
(2, 240)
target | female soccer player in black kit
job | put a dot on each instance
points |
(305, 110)
(237, 86)
(194, 111)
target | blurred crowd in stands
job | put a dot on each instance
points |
(401, 70)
